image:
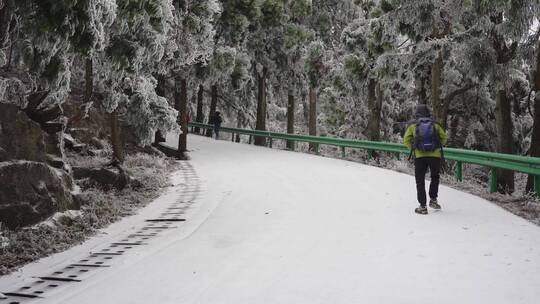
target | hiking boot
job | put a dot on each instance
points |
(433, 204)
(421, 210)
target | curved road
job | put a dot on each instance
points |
(281, 227)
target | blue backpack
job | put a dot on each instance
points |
(426, 137)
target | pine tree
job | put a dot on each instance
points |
(502, 25)
(190, 43)
(368, 40)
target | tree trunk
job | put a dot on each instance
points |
(421, 84)
(290, 119)
(375, 98)
(535, 140)
(159, 137)
(505, 130)
(261, 109)
(7, 24)
(88, 80)
(436, 101)
(116, 139)
(305, 109)
(313, 117)
(239, 124)
(213, 106)
(88, 92)
(9, 58)
(182, 109)
(200, 115)
(453, 139)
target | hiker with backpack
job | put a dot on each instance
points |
(426, 138)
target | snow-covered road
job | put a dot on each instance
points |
(284, 227)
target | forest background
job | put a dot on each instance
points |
(137, 69)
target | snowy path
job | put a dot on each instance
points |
(282, 227)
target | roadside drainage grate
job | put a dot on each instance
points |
(166, 220)
(90, 265)
(20, 295)
(129, 244)
(60, 279)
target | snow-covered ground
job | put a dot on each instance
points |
(284, 227)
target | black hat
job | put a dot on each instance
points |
(421, 111)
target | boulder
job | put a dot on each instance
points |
(54, 144)
(82, 135)
(58, 163)
(74, 145)
(31, 192)
(97, 143)
(20, 137)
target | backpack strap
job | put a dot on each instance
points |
(436, 134)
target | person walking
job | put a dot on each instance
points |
(426, 138)
(217, 123)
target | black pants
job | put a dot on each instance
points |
(216, 131)
(420, 168)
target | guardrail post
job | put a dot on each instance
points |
(493, 180)
(370, 154)
(250, 138)
(291, 145)
(317, 149)
(232, 137)
(343, 154)
(459, 171)
(537, 185)
(270, 142)
(398, 156)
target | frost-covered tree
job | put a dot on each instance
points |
(531, 53)
(43, 36)
(357, 66)
(136, 43)
(431, 27)
(315, 69)
(216, 74)
(297, 36)
(367, 40)
(498, 27)
(263, 37)
(192, 41)
(282, 54)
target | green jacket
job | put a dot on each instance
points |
(408, 140)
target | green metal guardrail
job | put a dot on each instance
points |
(494, 161)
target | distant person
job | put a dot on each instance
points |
(425, 138)
(217, 120)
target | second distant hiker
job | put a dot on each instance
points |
(425, 138)
(216, 121)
